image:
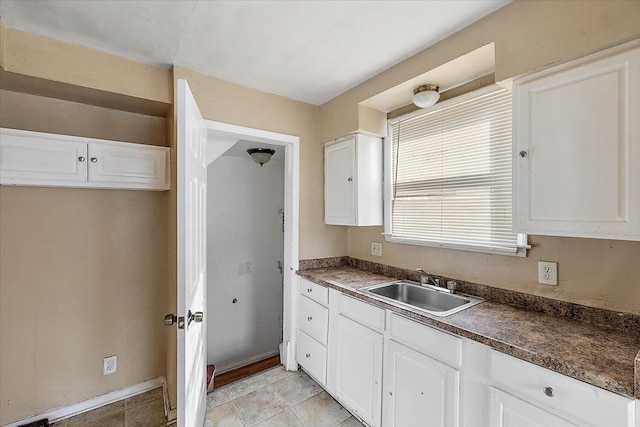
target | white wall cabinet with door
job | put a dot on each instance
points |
(353, 180)
(577, 148)
(51, 160)
(355, 356)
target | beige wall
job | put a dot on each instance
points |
(82, 271)
(528, 35)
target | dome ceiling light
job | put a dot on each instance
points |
(426, 95)
(261, 155)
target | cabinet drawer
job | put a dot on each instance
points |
(312, 356)
(361, 312)
(314, 291)
(427, 340)
(572, 399)
(313, 319)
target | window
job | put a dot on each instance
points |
(448, 180)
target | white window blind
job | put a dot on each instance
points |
(451, 177)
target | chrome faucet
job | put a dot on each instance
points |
(428, 281)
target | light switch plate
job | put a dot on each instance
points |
(376, 248)
(548, 273)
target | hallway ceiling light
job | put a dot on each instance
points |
(261, 155)
(426, 95)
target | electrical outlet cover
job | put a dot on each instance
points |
(376, 248)
(548, 273)
(109, 365)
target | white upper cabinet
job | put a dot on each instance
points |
(353, 180)
(577, 148)
(50, 160)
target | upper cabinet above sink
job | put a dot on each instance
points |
(577, 148)
(353, 180)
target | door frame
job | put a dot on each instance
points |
(219, 135)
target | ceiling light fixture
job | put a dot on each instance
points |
(261, 155)
(426, 95)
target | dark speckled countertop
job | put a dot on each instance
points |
(603, 356)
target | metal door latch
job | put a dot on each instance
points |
(170, 319)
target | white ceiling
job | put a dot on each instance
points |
(306, 50)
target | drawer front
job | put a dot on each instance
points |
(571, 399)
(312, 356)
(314, 291)
(313, 319)
(363, 313)
(427, 340)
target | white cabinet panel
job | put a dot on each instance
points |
(312, 356)
(357, 368)
(353, 180)
(314, 291)
(508, 411)
(128, 165)
(577, 149)
(313, 319)
(419, 390)
(34, 158)
(50, 160)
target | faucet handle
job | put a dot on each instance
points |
(452, 285)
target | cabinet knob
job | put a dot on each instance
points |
(349, 179)
(309, 290)
(309, 318)
(81, 159)
(523, 154)
(548, 391)
(308, 356)
(94, 159)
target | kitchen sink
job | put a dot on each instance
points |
(428, 299)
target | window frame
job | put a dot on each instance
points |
(522, 239)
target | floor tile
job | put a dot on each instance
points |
(285, 418)
(217, 398)
(276, 374)
(320, 411)
(296, 388)
(351, 422)
(259, 405)
(245, 386)
(224, 415)
(145, 397)
(149, 414)
(112, 420)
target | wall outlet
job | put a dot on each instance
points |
(109, 365)
(547, 273)
(376, 248)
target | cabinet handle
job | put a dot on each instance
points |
(523, 154)
(309, 318)
(548, 391)
(350, 179)
(309, 290)
(308, 356)
(93, 160)
(81, 159)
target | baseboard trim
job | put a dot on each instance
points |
(245, 362)
(93, 403)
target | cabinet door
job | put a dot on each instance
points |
(41, 159)
(340, 183)
(122, 165)
(577, 147)
(419, 391)
(508, 411)
(358, 369)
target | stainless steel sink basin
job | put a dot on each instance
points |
(438, 303)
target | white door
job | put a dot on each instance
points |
(359, 369)
(508, 411)
(419, 390)
(192, 233)
(340, 180)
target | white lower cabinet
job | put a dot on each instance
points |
(509, 411)
(419, 390)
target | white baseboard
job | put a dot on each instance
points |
(245, 362)
(93, 403)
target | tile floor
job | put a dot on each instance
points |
(275, 397)
(143, 410)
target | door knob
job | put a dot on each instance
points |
(197, 317)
